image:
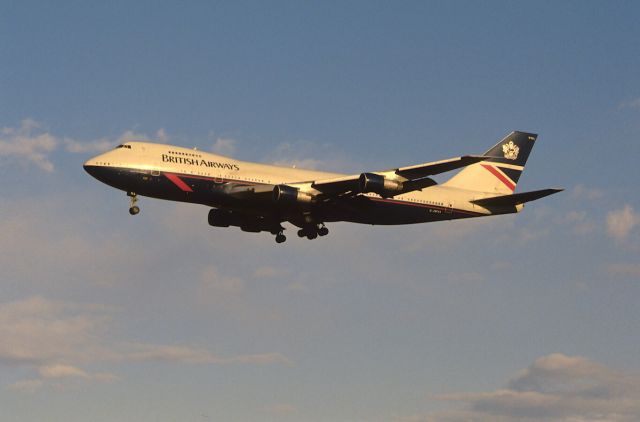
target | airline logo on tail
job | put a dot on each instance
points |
(510, 150)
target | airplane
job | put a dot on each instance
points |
(260, 197)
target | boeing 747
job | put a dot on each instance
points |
(260, 197)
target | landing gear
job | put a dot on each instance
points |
(280, 238)
(323, 230)
(313, 231)
(134, 209)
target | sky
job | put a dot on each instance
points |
(530, 318)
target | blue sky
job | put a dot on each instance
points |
(160, 317)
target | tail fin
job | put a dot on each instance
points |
(500, 173)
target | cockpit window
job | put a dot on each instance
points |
(124, 146)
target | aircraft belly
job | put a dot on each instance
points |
(389, 212)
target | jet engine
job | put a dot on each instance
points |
(284, 194)
(222, 218)
(254, 224)
(371, 182)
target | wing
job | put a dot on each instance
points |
(394, 181)
(436, 167)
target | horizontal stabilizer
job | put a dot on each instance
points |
(515, 199)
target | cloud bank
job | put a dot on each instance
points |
(555, 388)
(58, 340)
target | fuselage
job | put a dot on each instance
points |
(187, 175)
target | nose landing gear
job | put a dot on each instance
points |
(133, 209)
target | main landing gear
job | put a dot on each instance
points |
(134, 209)
(280, 237)
(313, 231)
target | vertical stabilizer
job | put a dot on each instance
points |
(500, 173)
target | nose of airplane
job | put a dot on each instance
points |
(90, 167)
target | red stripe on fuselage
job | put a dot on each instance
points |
(500, 176)
(178, 182)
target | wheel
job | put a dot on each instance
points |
(280, 238)
(302, 233)
(134, 210)
(323, 231)
(312, 235)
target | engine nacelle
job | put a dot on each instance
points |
(371, 182)
(284, 194)
(223, 218)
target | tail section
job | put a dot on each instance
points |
(500, 173)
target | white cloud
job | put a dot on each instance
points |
(61, 371)
(84, 147)
(162, 136)
(31, 143)
(301, 154)
(56, 338)
(224, 146)
(582, 192)
(213, 281)
(41, 332)
(555, 388)
(28, 144)
(620, 223)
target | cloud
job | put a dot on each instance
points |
(620, 223)
(28, 144)
(41, 332)
(84, 147)
(555, 388)
(105, 144)
(194, 355)
(635, 103)
(579, 222)
(224, 146)
(62, 371)
(213, 281)
(582, 192)
(301, 154)
(59, 340)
